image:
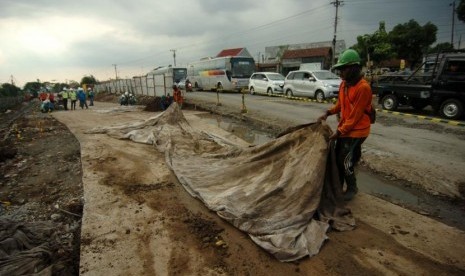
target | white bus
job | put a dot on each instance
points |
(161, 79)
(223, 73)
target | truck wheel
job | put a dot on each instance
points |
(451, 109)
(390, 102)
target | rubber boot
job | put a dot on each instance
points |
(351, 188)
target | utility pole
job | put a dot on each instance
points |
(453, 23)
(336, 3)
(174, 56)
(116, 75)
(116, 72)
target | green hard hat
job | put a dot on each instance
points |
(348, 57)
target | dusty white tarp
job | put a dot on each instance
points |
(285, 193)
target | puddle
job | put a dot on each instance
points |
(450, 213)
(408, 197)
(239, 129)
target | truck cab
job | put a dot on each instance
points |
(439, 82)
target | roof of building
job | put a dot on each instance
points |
(230, 52)
(311, 52)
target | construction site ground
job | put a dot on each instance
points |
(118, 209)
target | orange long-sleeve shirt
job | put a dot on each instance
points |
(354, 104)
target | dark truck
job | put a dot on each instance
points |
(439, 82)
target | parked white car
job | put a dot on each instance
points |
(266, 82)
(318, 84)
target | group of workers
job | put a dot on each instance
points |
(49, 103)
(73, 96)
(177, 98)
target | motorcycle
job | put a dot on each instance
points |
(127, 99)
(189, 87)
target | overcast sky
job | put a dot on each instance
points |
(61, 40)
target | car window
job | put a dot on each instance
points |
(325, 75)
(298, 76)
(290, 76)
(306, 76)
(276, 77)
(455, 67)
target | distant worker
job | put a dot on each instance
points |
(51, 97)
(354, 105)
(165, 101)
(177, 95)
(43, 96)
(73, 97)
(82, 98)
(188, 85)
(90, 94)
(65, 97)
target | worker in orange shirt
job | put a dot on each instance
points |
(354, 107)
(177, 95)
(43, 96)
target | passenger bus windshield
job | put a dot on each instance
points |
(179, 74)
(242, 67)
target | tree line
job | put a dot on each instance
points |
(33, 88)
(409, 41)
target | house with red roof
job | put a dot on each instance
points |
(236, 52)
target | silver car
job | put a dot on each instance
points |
(266, 82)
(318, 84)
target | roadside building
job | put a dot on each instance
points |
(235, 52)
(284, 58)
(292, 60)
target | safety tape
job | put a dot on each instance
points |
(296, 98)
(420, 117)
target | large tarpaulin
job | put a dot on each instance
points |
(285, 193)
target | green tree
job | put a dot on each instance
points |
(88, 80)
(32, 87)
(376, 45)
(9, 90)
(446, 46)
(410, 41)
(58, 87)
(73, 84)
(461, 11)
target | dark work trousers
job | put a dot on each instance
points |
(348, 153)
(65, 103)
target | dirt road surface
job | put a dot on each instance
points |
(138, 220)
